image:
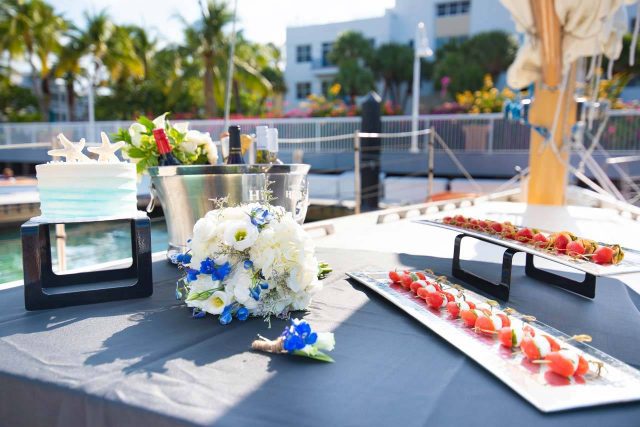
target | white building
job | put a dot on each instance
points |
(308, 70)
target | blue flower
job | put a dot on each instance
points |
(248, 264)
(242, 313)
(255, 293)
(293, 342)
(303, 328)
(219, 272)
(198, 314)
(192, 275)
(180, 257)
(260, 217)
(226, 316)
(206, 266)
(186, 258)
(311, 338)
(264, 285)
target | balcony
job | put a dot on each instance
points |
(321, 67)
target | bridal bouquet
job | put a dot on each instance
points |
(253, 259)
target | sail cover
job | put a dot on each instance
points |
(590, 27)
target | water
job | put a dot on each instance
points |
(87, 244)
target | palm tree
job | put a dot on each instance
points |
(353, 54)
(32, 29)
(111, 45)
(392, 62)
(144, 45)
(69, 66)
(206, 39)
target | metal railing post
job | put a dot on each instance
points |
(61, 246)
(431, 165)
(356, 172)
(490, 142)
(318, 135)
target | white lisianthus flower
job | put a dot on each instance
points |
(135, 131)
(240, 234)
(216, 302)
(326, 341)
(301, 301)
(212, 152)
(160, 122)
(182, 127)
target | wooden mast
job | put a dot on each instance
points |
(548, 174)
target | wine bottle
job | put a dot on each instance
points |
(272, 134)
(262, 144)
(166, 157)
(235, 147)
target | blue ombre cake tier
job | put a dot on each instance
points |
(87, 190)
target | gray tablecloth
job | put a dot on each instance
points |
(146, 362)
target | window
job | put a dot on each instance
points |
(453, 8)
(326, 85)
(303, 90)
(326, 48)
(303, 53)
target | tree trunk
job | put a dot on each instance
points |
(36, 87)
(71, 98)
(210, 106)
(236, 97)
(385, 91)
(46, 94)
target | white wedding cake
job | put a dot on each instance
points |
(82, 188)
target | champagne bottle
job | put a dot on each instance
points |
(272, 134)
(262, 144)
(235, 147)
(166, 157)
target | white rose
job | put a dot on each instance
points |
(212, 152)
(240, 234)
(135, 131)
(188, 147)
(326, 341)
(204, 229)
(182, 127)
(234, 213)
(160, 121)
(216, 302)
(200, 138)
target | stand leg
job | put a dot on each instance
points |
(497, 290)
(586, 287)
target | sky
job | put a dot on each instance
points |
(262, 20)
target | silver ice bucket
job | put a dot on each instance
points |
(185, 192)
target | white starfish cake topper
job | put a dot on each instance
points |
(70, 151)
(106, 152)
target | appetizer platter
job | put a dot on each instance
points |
(549, 369)
(563, 247)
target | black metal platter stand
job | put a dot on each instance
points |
(500, 290)
(45, 289)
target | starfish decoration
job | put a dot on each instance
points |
(70, 151)
(106, 152)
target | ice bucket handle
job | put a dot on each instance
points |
(152, 199)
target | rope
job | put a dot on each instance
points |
(455, 160)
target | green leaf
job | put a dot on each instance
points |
(199, 296)
(136, 153)
(144, 121)
(318, 355)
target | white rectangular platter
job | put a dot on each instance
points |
(630, 263)
(547, 391)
